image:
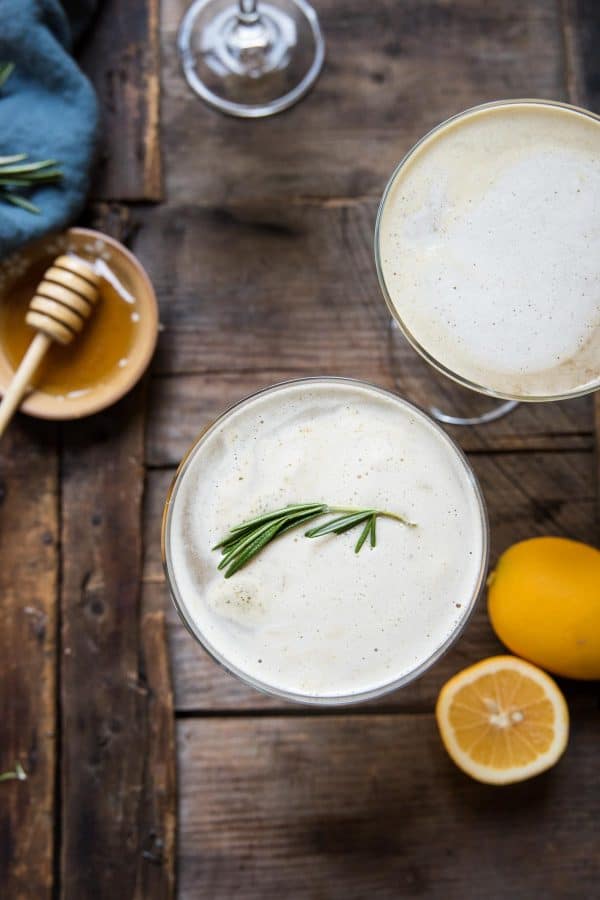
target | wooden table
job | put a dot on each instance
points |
(258, 236)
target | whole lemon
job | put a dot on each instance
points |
(544, 604)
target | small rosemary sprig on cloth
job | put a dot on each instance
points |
(6, 70)
(246, 540)
(16, 172)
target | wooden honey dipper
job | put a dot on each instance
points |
(63, 301)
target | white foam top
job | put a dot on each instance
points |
(309, 616)
(490, 248)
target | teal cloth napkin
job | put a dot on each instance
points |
(48, 110)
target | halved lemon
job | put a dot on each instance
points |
(503, 720)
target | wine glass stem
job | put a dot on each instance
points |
(248, 13)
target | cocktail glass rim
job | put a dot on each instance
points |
(263, 687)
(412, 340)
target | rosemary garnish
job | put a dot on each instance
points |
(246, 540)
(16, 172)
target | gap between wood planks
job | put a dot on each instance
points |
(304, 712)
(585, 445)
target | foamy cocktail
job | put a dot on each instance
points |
(308, 617)
(488, 249)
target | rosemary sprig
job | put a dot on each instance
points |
(17, 773)
(6, 70)
(16, 172)
(246, 540)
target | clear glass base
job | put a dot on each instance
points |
(437, 393)
(501, 409)
(248, 59)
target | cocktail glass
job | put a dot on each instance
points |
(510, 401)
(188, 619)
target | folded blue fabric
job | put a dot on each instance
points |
(47, 109)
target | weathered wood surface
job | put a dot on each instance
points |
(117, 763)
(28, 586)
(392, 71)
(371, 806)
(156, 865)
(528, 494)
(121, 55)
(183, 405)
(103, 700)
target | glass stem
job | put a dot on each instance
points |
(248, 13)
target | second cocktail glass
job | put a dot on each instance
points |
(486, 246)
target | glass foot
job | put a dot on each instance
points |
(503, 409)
(251, 59)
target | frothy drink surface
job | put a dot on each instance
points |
(490, 248)
(309, 616)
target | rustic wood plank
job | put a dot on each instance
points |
(117, 775)
(528, 494)
(371, 806)
(183, 405)
(393, 70)
(122, 59)
(102, 698)
(28, 588)
(157, 827)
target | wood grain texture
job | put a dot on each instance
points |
(117, 766)
(392, 71)
(370, 806)
(28, 588)
(117, 772)
(528, 494)
(122, 59)
(103, 700)
(157, 828)
(183, 405)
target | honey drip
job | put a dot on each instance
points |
(103, 345)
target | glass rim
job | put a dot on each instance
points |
(412, 340)
(265, 687)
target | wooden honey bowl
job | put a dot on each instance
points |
(114, 343)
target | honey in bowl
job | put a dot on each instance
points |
(114, 348)
(103, 345)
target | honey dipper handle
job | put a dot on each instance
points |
(22, 378)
